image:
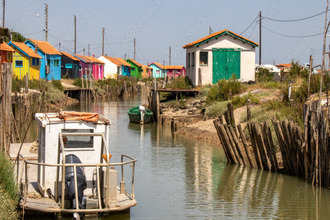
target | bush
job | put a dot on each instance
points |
(241, 101)
(57, 84)
(264, 75)
(216, 109)
(7, 178)
(224, 89)
(180, 83)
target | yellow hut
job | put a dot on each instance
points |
(25, 61)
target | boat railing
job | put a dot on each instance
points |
(60, 167)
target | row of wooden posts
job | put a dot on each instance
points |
(291, 151)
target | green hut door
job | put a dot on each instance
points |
(226, 61)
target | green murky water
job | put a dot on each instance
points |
(184, 179)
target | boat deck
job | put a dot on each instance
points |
(35, 202)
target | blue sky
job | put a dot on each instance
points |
(158, 24)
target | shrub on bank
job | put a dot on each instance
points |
(7, 178)
(224, 89)
(180, 83)
(238, 101)
(57, 84)
(264, 75)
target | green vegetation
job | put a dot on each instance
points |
(216, 109)
(57, 84)
(16, 36)
(224, 90)
(238, 101)
(8, 189)
(180, 83)
(264, 75)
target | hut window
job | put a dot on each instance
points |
(188, 59)
(77, 141)
(56, 62)
(68, 65)
(35, 62)
(9, 56)
(19, 63)
(75, 65)
(203, 58)
(48, 62)
(193, 59)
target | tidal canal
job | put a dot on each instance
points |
(181, 178)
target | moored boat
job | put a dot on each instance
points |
(139, 114)
(73, 173)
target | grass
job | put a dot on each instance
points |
(7, 205)
(238, 101)
(8, 189)
(180, 83)
(216, 109)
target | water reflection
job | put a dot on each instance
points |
(183, 179)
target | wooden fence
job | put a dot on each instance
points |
(295, 152)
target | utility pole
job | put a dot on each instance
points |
(323, 58)
(84, 51)
(3, 12)
(125, 56)
(169, 60)
(102, 41)
(75, 34)
(210, 30)
(59, 46)
(46, 29)
(89, 52)
(310, 73)
(134, 49)
(259, 37)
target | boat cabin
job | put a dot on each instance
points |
(73, 173)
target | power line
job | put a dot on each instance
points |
(294, 20)
(256, 24)
(249, 25)
(34, 33)
(292, 36)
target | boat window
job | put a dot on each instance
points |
(77, 141)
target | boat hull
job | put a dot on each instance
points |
(135, 116)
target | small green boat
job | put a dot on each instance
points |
(135, 114)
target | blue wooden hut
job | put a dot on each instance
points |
(50, 67)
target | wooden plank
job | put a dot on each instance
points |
(261, 147)
(254, 147)
(264, 127)
(246, 147)
(272, 148)
(232, 144)
(238, 146)
(224, 147)
(227, 142)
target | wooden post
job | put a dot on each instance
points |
(224, 147)
(248, 110)
(227, 143)
(254, 146)
(309, 76)
(249, 156)
(232, 145)
(238, 146)
(6, 106)
(261, 147)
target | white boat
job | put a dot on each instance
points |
(73, 173)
